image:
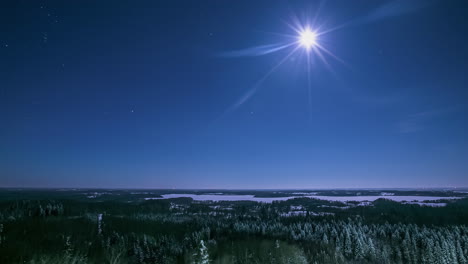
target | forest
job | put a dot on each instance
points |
(66, 226)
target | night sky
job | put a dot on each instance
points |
(204, 94)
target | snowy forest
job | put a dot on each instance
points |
(69, 227)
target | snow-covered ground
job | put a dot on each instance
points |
(294, 213)
(427, 204)
(304, 193)
(93, 195)
(212, 197)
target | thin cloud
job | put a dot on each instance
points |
(388, 10)
(374, 100)
(419, 121)
(396, 8)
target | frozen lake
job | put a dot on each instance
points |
(220, 197)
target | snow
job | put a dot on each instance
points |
(304, 213)
(336, 207)
(174, 206)
(294, 213)
(296, 208)
(93, 195)
(216, 197)
(207, 197)
(99, 223)
(373, 198)
(427, 204)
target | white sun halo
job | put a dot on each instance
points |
(307, 38)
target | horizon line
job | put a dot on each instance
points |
(231, 189)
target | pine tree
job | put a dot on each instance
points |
(371, 247)
(325, 239)
(460, 256)
(1, 236)
(406, 245)
(204, 257)
(348, 248)
(359, 249)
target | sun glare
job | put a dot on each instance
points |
(308, 38)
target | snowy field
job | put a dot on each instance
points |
(219, 197)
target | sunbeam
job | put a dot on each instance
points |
(255, 51)
(257, 84)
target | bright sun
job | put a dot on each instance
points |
(308, 38)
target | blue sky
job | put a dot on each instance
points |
(146, 95)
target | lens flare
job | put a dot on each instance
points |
(308, 37)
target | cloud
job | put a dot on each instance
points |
(388, 10)
(383, 100)
(396, 8)
(419, 121)
(410, 126)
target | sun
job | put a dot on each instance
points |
(307, 38)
